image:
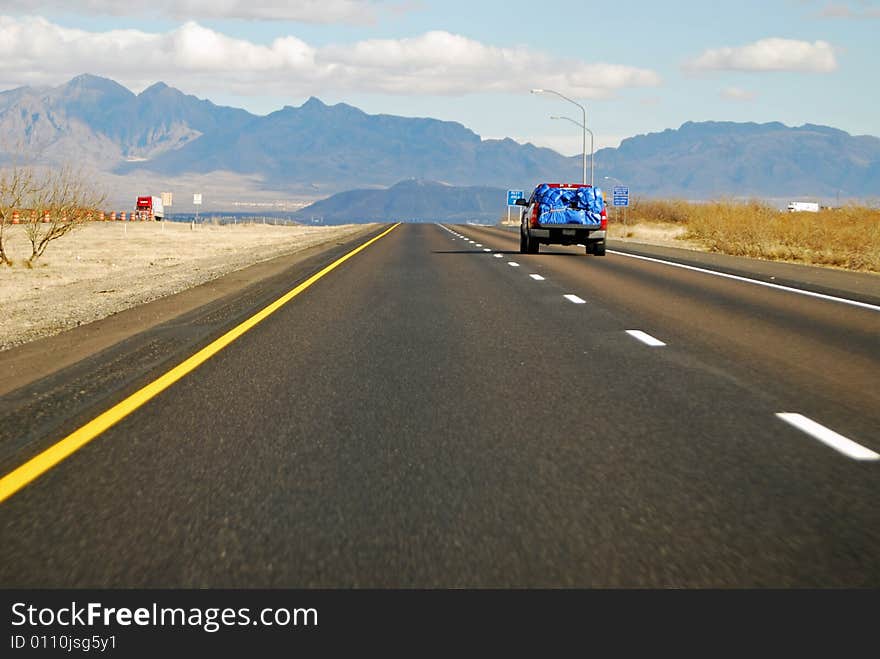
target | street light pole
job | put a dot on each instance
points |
(592, 168)
(584, 125)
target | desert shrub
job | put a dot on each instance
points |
(666, 211)
(846, 237)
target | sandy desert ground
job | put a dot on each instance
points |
(103, 268)
(653, 233)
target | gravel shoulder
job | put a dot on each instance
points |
(105, 268)
(135, 327)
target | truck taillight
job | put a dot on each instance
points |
(533, 220)
(604, 224)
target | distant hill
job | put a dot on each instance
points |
(711, 159)
(413, 200)
(163, 137)
(98, 120)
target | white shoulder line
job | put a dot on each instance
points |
(799, 291)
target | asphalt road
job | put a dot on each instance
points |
(429, 414)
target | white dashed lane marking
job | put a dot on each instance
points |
(499, 256)
(513, 263)
(537, 277)
(645, 338)
(828, 437)
(574, 299)
(486, 249)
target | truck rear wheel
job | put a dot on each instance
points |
(531, 245)
(597, 249)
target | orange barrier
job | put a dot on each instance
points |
(89, 216)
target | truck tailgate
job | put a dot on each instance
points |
(570, 226)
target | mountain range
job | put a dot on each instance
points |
(771, 160)
(163, 137)
(412, 200)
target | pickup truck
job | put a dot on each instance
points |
(563, 214)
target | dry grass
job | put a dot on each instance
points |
(847, 237)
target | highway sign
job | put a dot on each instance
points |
(620, 194)
(197, 199)
(512, 196)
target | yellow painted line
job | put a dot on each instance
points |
(40, 464)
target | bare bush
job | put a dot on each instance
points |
(16, 185)
(57, 202)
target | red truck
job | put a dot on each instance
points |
(152, 206)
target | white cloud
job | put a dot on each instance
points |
(769, 55)
(33, 50)
(443, 63)
(845, 11)
(737, 94)
(304, 11)
(36, 51)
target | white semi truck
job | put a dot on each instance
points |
(803, 206)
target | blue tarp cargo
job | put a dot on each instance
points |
(581, 205)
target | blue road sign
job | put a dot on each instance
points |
(620, 195)
(512, 196)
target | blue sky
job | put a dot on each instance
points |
(637, 66)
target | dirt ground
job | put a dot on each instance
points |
(653, 233)
(103, 268)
